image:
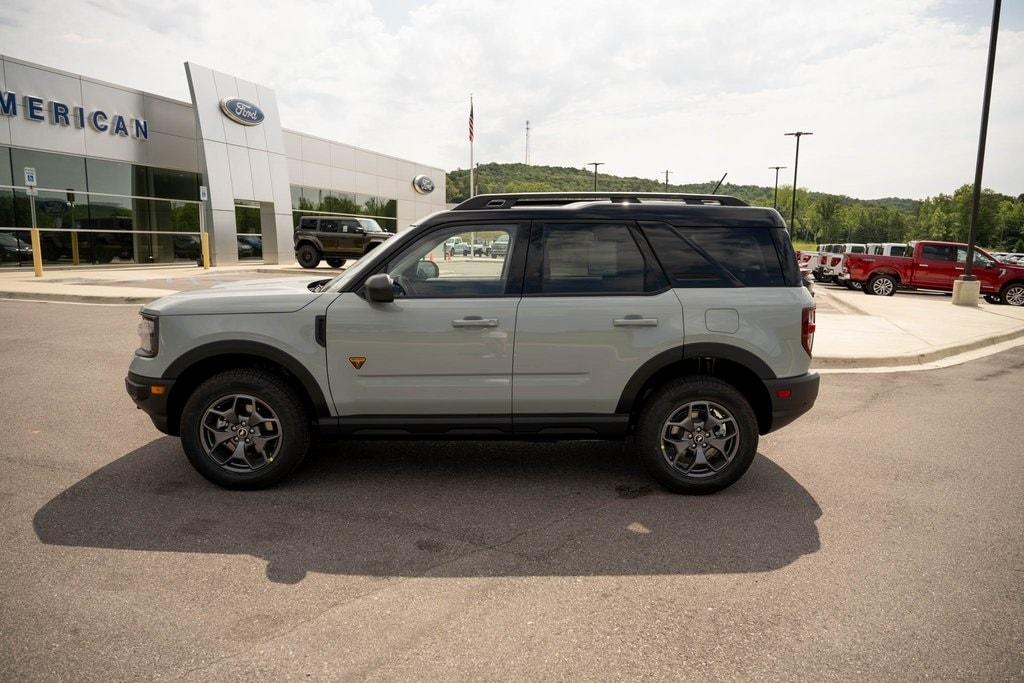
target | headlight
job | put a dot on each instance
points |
(148, 336)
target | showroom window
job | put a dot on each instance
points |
(98, 211)
(317, 201)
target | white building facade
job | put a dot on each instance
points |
(126, 176)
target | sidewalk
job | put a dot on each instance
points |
(133, 284)
(853, 330)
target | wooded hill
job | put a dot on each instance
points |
(821, 216)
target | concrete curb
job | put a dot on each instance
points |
(838, 362)
(78, 298)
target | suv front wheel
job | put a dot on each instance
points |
(697, 435)
(245, 429)
(308, 256)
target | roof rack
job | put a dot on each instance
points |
(507, 200)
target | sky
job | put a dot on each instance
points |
(891, 89)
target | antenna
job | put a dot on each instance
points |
(715, 191)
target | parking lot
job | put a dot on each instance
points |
(880, 536)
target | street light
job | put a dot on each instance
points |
(976, 195)
(775, 203)
(595, 164)
(796, 165)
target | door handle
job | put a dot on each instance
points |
(475, 321)
(635, 321)
(922, 265)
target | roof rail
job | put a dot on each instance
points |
(506, 200)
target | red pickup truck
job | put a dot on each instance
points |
(935, 265)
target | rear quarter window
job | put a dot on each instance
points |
(721, 257)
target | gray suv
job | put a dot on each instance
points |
(678, 322)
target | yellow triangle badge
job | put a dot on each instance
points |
(357, 361)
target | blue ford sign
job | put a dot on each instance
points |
(242, 111)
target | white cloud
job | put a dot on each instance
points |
(891, 90)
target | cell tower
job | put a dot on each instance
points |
(527, 143)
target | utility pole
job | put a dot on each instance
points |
(666, 179)
(796, 165)
(775, 203)
(595, 164)
(527, 142)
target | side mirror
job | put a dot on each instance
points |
(380, 288)
(427, 270)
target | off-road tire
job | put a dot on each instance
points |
(308, 256)
(275, 393)
(335, 262)
(668, 399)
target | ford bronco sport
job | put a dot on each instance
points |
(676, 321)
(335, 238)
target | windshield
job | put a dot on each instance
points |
(370, 225)
(353, 272)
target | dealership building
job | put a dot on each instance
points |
(126, 176)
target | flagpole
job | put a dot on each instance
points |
(472, 184)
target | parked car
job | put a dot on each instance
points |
(336, 239)
(587, 301)
(936, 265)
(499, 247)
(456, 247)
(882, 249)
(832, 264)
(14, 249)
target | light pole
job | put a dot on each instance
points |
(796, 165)
(775, 203)
(595, 164)
(666, 179)
(976, 195)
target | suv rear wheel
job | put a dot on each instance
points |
(308, 255)
(335, 262)
(245, 429)
(697, 435)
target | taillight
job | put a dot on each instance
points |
(807, 327)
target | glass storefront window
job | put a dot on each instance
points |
(332, 202)
(58, 171)
(249, 232)
(78, 228)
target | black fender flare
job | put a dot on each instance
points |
(636, 383)
(259, 350)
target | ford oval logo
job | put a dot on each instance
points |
(242, 111)
(423, 184)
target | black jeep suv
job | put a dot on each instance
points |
(336, 239)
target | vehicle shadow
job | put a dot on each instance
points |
(409, 508)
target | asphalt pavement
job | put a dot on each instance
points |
(880, 536)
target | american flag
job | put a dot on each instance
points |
(471, 120)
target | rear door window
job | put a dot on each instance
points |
(586, 258)
(937, 252)
(717, 257)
